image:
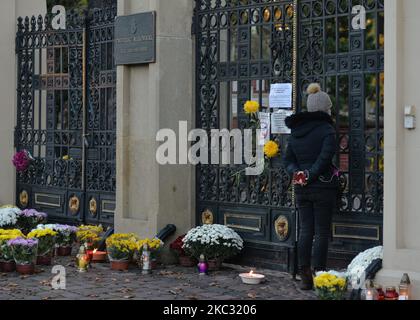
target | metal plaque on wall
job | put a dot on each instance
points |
(135, 38)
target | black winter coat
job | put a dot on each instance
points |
(311, 148)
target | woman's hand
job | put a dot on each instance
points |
(300, 178)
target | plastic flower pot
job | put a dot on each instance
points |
(186, 261)
(214, 264)
(44, 260)
(64, 251)
(7, 266)
(25, 269)
(120, 265)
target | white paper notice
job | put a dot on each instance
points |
(278, 125)
(265, 127)
(281, 95)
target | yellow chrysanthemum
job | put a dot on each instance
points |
(251, 107)
(96, 229)
(122, 242)
(39, 233)
(87, 236)
(271, 149)
(6, 235)
(87, 233)
(329, 282)
(153, 244)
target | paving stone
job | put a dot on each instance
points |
(166, 283)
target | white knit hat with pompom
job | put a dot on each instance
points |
(318, 100)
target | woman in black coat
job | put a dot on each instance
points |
(308, 158)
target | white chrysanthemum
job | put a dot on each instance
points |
(9, 216)
(214, 237)
(357, 268)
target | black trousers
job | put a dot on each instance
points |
(315, 208)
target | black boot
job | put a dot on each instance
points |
(307, 279)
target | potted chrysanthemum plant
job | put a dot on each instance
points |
(89, 235)
(7, 263)
(330, 285)
(216, 242)
(24, 253)
(121, 248)
(9, 216)
(185, 260)
(46, 243)
(153, 246)
(66, 237)
(28, 219)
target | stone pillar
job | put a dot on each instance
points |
(149, 98)
(402, 148)
(10, 10)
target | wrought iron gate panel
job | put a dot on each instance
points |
(241, 48)
(349, 63)
(101, 117)
(53, 118)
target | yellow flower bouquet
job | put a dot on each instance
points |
(271, 148)
(330, 285)
(121, 246)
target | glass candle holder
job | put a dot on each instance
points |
(391, 293)
(403, 292)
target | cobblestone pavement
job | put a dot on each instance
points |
(166, 283)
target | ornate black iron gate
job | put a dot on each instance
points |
(243, 46)
(66, 115)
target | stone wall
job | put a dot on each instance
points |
(149, 98)
(402, 147)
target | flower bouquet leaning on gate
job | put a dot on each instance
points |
(24, 253)
(9, 216)
(356, 270)
(7, 263)
(330, 285)
(216, 242)
(28, 219)
(21, 160)
(120, 248)
(270, 148)
(46, 242)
